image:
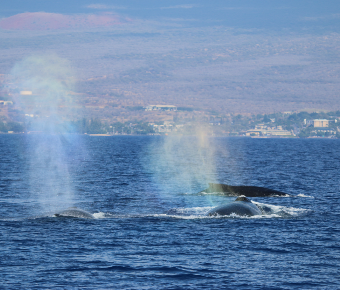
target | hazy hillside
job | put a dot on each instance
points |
(246, 66)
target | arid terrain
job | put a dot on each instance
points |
(121, 64)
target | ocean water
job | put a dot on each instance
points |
(129, 183)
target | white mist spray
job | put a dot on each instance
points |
(46, 81)
(184, 164)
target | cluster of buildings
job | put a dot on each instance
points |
(263, 130)
(317, 123)
(260, 130)
(167, 127)
(321, 126)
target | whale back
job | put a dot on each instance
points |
(241, 206)
(250, 191)
(75, 213)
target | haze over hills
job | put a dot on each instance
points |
(47, 21)
(251, 58)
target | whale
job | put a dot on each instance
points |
(248, 191)
(74, 212)
(242, 206)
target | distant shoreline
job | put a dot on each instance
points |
(220, 136)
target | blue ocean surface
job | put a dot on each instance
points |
(129, 183)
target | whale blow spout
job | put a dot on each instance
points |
(74, 212)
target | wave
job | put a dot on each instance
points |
(303, 195)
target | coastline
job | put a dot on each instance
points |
(217, 136)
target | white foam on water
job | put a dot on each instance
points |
(282, 211)
(303, 195)
(189, 211)
(273, 211)
(100, 215)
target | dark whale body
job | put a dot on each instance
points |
(242, 206)
(74, 212)
(249, 191)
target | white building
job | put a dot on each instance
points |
(320, 123)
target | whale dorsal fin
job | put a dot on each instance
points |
(242, 198)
